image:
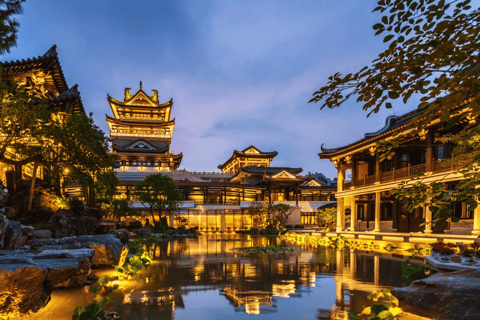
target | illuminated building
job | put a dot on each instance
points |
(141, 131)
(44, 78)
(364, 183)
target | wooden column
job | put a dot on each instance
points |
(354, 170)
(296, 195)
(377, 167)
(476, 221)
(340, 214)
(429, 155)
(353, 216)
(340, 177)
(428, 220)
(377, 211)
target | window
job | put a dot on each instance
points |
(440, 152)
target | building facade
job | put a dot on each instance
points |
(365, 184)
(141, 132)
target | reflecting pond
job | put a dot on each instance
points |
(204, 278)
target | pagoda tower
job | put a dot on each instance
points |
(141, 132)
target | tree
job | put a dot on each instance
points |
(158, 193)
(327, 218)
(8, 25)
(432, 53)
(268, 216)
(67, 144)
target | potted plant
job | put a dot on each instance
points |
(437, 248)
(467, 257)
(476, 259)
(447, 251)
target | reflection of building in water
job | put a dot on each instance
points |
(255, 284)
(252, 300)
(141, 130)
(250, 283)
(355, 281)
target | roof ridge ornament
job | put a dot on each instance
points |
(388, 123)
(51, 52)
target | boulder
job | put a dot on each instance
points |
(108, 249)
(41, 234)
(66, 268)
(16, 235)
(3, 196)
(145, 231)
(3, 229)
(123, 235)
(67, 223)
(27, 278)
(22, 288)
(105, 228)
(444, 296)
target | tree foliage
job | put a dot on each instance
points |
(8, 25)
(433, 54)
(158, 193)
(69, 146)
(270, 216)
(327, 218)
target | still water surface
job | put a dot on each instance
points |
(205, 279)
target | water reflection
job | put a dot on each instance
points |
(204, 279)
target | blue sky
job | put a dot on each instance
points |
(240, 72)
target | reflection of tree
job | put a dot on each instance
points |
(251, 283)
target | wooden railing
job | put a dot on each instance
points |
(405, 173)
(439, 167)
(389, 176)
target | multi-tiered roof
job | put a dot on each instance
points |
(141, 131)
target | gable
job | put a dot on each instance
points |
(141, 99)
(251, 150)
(284, 175)
(313, 183)
(141, 146)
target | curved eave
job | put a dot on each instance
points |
(69, 100)
(400, 124)
(123, 104)
(48, 62)
(177, 159)
(237, 153)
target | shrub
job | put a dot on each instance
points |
(327, 218)
(299, 226)
(415, 271)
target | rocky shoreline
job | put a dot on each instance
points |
(34, 262)
(443, 296)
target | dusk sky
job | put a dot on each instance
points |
(240, 72)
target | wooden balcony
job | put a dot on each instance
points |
(407, 173)
(389, 176)
(439, 165)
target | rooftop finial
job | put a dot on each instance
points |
(141, 85)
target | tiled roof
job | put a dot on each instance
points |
(48, 62)
(270, 170)
(392, 123)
